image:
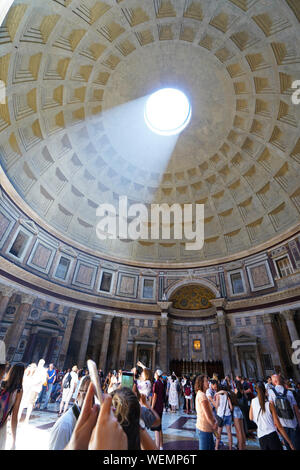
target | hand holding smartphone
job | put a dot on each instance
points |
(95, 380)
(127, 379)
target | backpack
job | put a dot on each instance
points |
(283, 405)
(187, 390)
(67, 382)
(4, 406)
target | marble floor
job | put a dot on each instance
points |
(178, 431)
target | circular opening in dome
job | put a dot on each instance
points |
(168, 111)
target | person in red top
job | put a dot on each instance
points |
(158, 406)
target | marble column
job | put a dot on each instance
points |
(123, 343)
(289, 316)
(105, 342)
(163, 356)
(29, 348)
(290, 323)
(164, 346)
(268, 320)
(116, 339)
(224, 343)
(208, 343)
(16, 329)
(260, 370)
(88, 318)
(51, 348)
(66, 339)
(7, 293)
(238, 360)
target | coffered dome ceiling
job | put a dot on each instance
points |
(72, 133)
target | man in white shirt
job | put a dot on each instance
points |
(68, 386)
(62, 430)
(290, 425)
(36, 381)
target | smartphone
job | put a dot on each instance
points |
(127, 379)
(95, 380)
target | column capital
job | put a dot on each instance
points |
(87, 315)
(268, 318)
(288, 314)
(125, 321)
(108, 318)
(27, 298)
(72, 311)
(164, 306)
(164, 321)
(221, 317)
(219, 303)
(7, 291)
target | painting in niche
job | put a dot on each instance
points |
(197, 345)
(260, 276)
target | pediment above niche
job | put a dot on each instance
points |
(109, 266)
(29, 225)
(145, 338)
(68, 251)
(232, 266)
(148, 272)
(244, 337)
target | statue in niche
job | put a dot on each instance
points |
(144, 357)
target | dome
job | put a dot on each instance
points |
(72, 133)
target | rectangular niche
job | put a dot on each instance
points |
(260, 276)
(237, 282)
(148, 288)
(63, 268)
(127, 285)
(18, 247)
(106, 281)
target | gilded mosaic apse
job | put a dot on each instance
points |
(192, 297)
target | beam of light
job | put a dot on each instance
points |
(4, 8)
(131, 137)
(168, 111)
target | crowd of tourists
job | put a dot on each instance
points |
(265, 410)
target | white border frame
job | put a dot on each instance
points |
(63, 255)
(104, 270)
(229, 273)
(22, 229)
(285, 255)
(148, 278)
(254, 265)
